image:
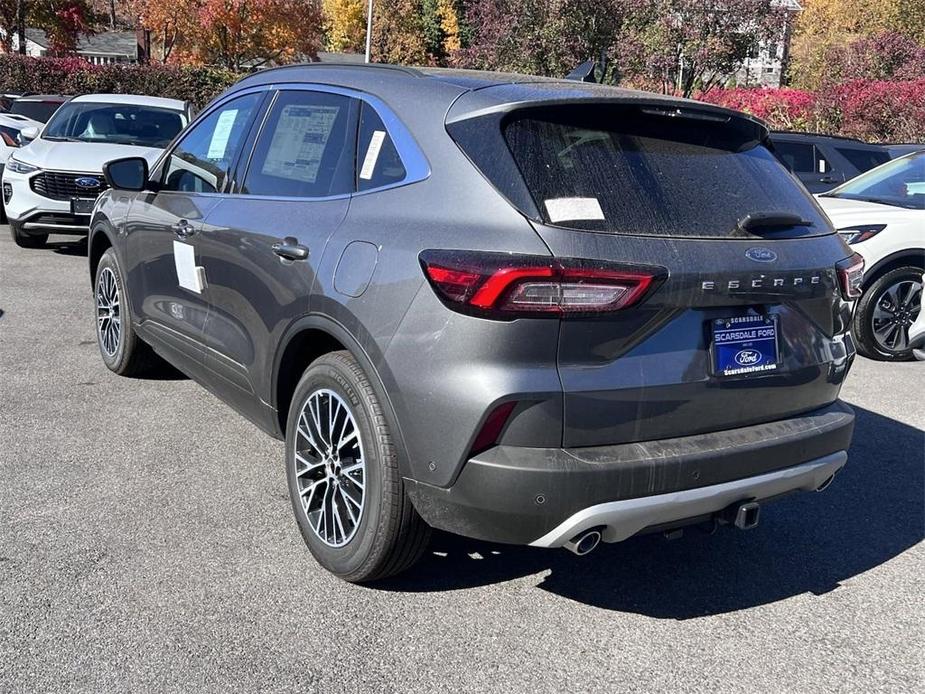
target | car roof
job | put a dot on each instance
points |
(133, 99)
(44, 97)
(417, 88)
(781, 135)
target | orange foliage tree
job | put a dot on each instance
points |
(235, 34)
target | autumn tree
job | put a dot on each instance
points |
(63, 21)
(234, 34)
(169, 24)
(398, 32)
(345, 25)
(825, 26)
(547, 37)
(689, 45)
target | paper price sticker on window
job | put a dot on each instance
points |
(573, 209)
(222, 133)
(372, 155)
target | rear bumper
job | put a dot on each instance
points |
(544, 496)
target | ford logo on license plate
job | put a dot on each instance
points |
(748, 357)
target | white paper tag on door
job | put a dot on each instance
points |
(188, 275)
(372, 155)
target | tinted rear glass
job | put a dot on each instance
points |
(863, 159)
(626, 170)
(36, 110)
(796, 156)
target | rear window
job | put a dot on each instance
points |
(36, 110)
(640, 171)
(863, 159)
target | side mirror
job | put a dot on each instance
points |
(130, 173)
(27, 135)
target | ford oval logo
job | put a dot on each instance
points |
(761, 255)
(87, 182)
(748, 357)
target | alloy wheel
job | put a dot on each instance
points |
(108, 312)
(894, 312)
(330, 469)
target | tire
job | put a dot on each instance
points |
(884, 313)
(122, 350)
(351, 507)
(24, 240)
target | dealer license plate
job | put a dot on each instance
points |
(745, 345)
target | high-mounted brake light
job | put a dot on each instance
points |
(510, 285)
(851, 276)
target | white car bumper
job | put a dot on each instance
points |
(42, 214)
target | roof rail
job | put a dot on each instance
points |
(410, 71)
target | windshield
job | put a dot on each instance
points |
(122, 124)
(900, 182)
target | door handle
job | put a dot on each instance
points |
(183, 229)
(290, 249)
(827, 179)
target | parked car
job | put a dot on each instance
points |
(822, 162)
(51, 185)
(11, 127)
(881, 214)
(7, 99)
(38, 107)
(901, 150)
(525, 311)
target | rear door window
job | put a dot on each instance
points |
(863, 159)
(306, 147)
(378, 162)
(628, 171)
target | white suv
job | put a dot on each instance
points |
(11, 126)
(881, 213)
(51, 185)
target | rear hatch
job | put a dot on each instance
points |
(747, 324)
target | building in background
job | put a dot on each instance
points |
(99, 49)
(766, 66)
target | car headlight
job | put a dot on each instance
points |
(20, 167)
(861, 233)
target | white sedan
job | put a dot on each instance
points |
(51, 184)
(881, 214)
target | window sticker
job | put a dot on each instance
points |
(298, 143)
(220, 136)
(573, 209)
(372, 155)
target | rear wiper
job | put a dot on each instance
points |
(771, 220)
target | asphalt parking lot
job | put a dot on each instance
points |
(147, 544)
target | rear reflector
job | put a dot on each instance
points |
(491, 429)
(507, 285)
(851, 276)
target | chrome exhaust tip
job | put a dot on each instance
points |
(825, 484)
(584, 543)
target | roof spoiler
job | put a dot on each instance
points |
(588, 71)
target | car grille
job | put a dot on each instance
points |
(63, 186)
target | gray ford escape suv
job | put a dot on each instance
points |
(524, 310)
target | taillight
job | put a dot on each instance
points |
(851, 276)
(507, 285)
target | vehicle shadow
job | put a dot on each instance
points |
(76, 247)
(806, 543)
